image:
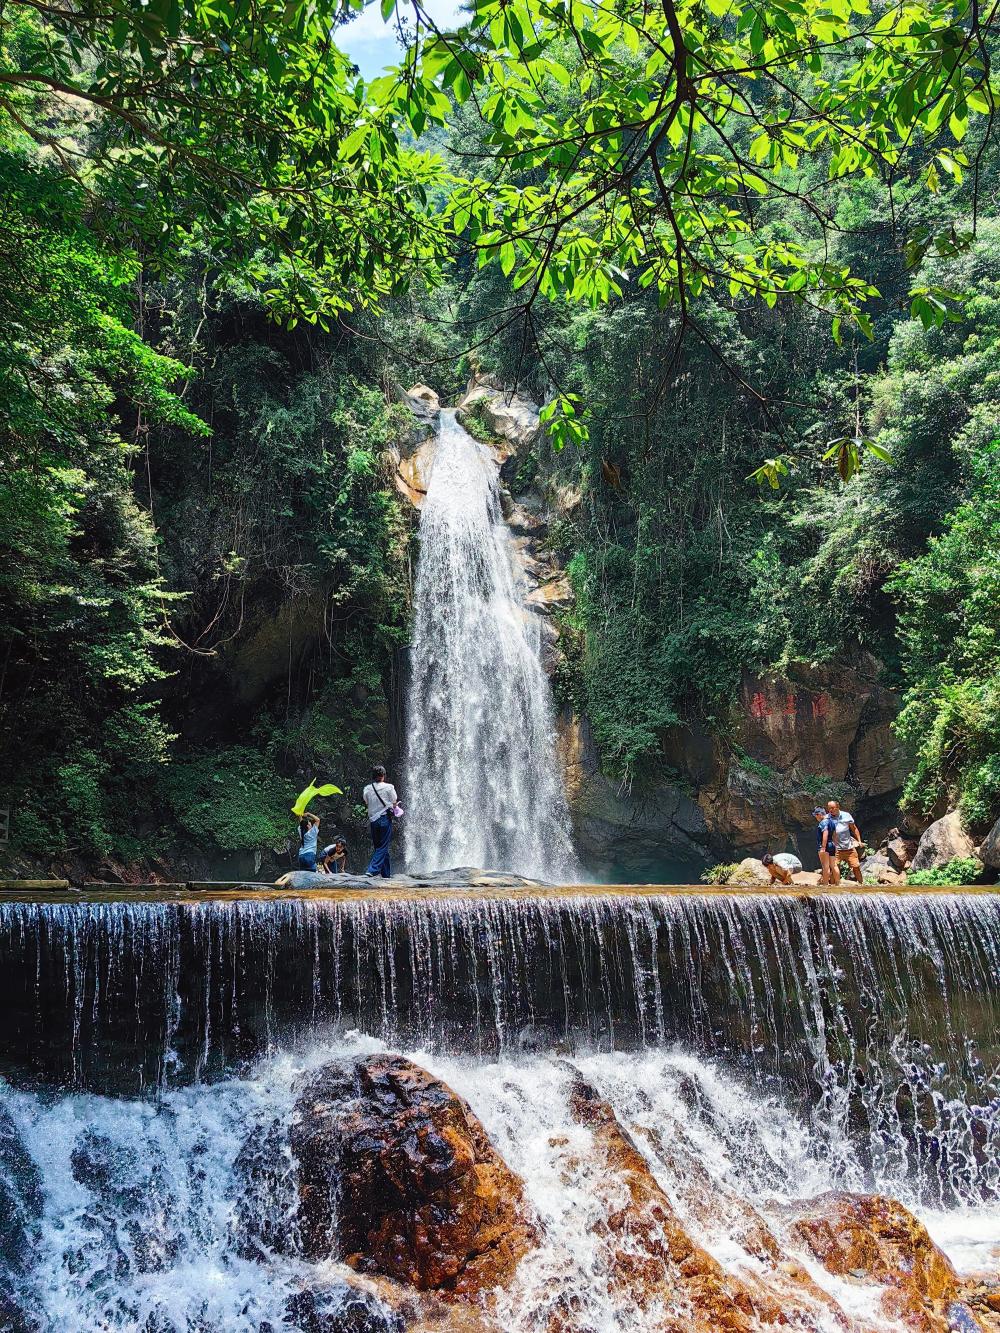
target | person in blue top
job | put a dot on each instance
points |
(826, 846)
(308, 841)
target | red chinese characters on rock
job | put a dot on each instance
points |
(758, 706)
(820, 707)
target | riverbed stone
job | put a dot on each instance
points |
(417, 1190)
(652, 1260)
(874, 1239)
(900, 850)
(341, 1307)
(942, 842)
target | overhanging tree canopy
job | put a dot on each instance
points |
(661, 144)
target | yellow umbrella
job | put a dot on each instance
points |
(327, 789)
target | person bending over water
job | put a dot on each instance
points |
(380, 798)
(780, 867)
(308, 840)
(333, 859)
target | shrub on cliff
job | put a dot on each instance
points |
(231, 799)
(949, 622)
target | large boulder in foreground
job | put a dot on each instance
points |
(874, 1239)
(407, 1170)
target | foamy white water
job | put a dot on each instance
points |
(482, 785)
(179, 1217)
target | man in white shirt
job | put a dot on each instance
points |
(379, 798)
(848, 839)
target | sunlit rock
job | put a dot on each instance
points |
(872, 1239)
(397, 1176)
(942, 842)
(654, 1262)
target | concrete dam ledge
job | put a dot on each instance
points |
(356, 888)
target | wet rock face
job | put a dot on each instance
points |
(656, 1263)
(874, 1239)
(397, 1176)
(341, 1308)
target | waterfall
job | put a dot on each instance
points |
(482, 785)
(759, 1048)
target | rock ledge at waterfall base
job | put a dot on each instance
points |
(463, 877)
(397, 1177)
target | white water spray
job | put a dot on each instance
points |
(482, 782)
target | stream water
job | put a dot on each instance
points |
(783, 1045)
(482, 786)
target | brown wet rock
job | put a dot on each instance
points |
(418, 1190)
(870, 1238)
(980, 1294)
(654, 1261)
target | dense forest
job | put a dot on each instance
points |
(747, 260)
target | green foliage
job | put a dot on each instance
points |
(949, 617)
(721, 874)
(623, 148)
(476, 421)
(79, 578)
(227, 124)
(231, 799)
(959, 870)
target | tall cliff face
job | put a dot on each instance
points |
(747, 780)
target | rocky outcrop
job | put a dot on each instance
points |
(797, 740)
(413, 456)
(463, 877)
(417, 1189)
(942, 842)
(989, 852)
(510, 420)
(653, 1262)
(870, 1238)
(616, 826)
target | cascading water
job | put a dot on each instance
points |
(759, 1049)
(482, 785)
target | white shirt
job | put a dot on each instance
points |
(377, 808)
(791, 863)
(844, 836)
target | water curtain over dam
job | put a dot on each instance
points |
(877, 1019)
(482, 786)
